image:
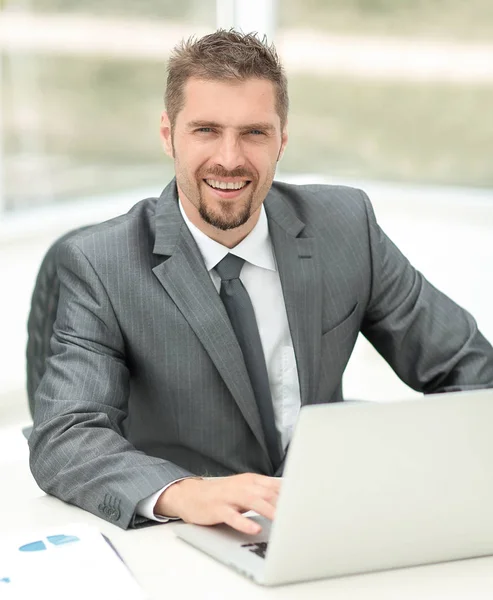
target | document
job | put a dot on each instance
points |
(71, 561)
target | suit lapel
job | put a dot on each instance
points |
(299, 272)
(186, 280)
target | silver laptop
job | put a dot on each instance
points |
(370, 486)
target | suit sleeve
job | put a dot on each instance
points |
(78, 449)
(431, 343)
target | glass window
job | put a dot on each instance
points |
(390, 90)
(82, 92)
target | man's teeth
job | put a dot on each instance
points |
(223, 185)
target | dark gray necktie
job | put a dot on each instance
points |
(240, 311)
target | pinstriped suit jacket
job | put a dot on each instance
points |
(147, 382)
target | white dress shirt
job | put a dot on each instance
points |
(261, 279)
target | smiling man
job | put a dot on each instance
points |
(225, 138)
(191, 330)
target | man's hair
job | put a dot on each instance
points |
(224, 56)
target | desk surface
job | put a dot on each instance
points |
(167, 566)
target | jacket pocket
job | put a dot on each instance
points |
(344, 327)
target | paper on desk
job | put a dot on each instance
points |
(70, 561)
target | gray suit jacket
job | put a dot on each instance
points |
(147, 383)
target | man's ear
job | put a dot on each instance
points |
(284, 141)
(166, 134)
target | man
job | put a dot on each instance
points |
(171, 370)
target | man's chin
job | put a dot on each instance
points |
(227, 216)
(222, 222)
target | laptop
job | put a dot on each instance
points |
(372, 486)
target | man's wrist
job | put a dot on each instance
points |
(168, 503)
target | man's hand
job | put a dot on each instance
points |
(221, 500)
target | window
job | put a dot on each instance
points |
(82, 92)
(387, 90)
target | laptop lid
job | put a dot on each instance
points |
(371, 486)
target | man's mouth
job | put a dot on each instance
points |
(227, 186)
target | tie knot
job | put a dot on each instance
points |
(229, 267)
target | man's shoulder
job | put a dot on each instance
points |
(314, 201)
(319, 192)
(137, 222)
(122, 241)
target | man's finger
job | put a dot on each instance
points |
(264, 508)
(252, 497)
(237, 521)
(270, 497)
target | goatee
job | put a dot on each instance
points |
(221, 221)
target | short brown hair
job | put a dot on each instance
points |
(222, 56)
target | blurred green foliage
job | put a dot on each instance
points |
(402, 131)
(93, 122)
(450, 19)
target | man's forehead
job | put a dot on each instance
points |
(250, 100)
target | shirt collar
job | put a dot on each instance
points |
(256, 248)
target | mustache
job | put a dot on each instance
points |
(219, 171)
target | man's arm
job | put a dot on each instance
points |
(78, 451)
(431, 343)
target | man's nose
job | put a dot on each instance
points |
(230, 152)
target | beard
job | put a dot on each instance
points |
(229, 214)
(229, 217)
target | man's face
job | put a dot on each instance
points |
(226, 142)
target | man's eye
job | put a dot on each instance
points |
(204, 129)
(256, 132)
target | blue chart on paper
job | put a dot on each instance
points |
(59, 540)
(56, 540)
(5, 580)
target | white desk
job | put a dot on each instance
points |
(166, 567)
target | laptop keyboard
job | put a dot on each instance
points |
(258, 548)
